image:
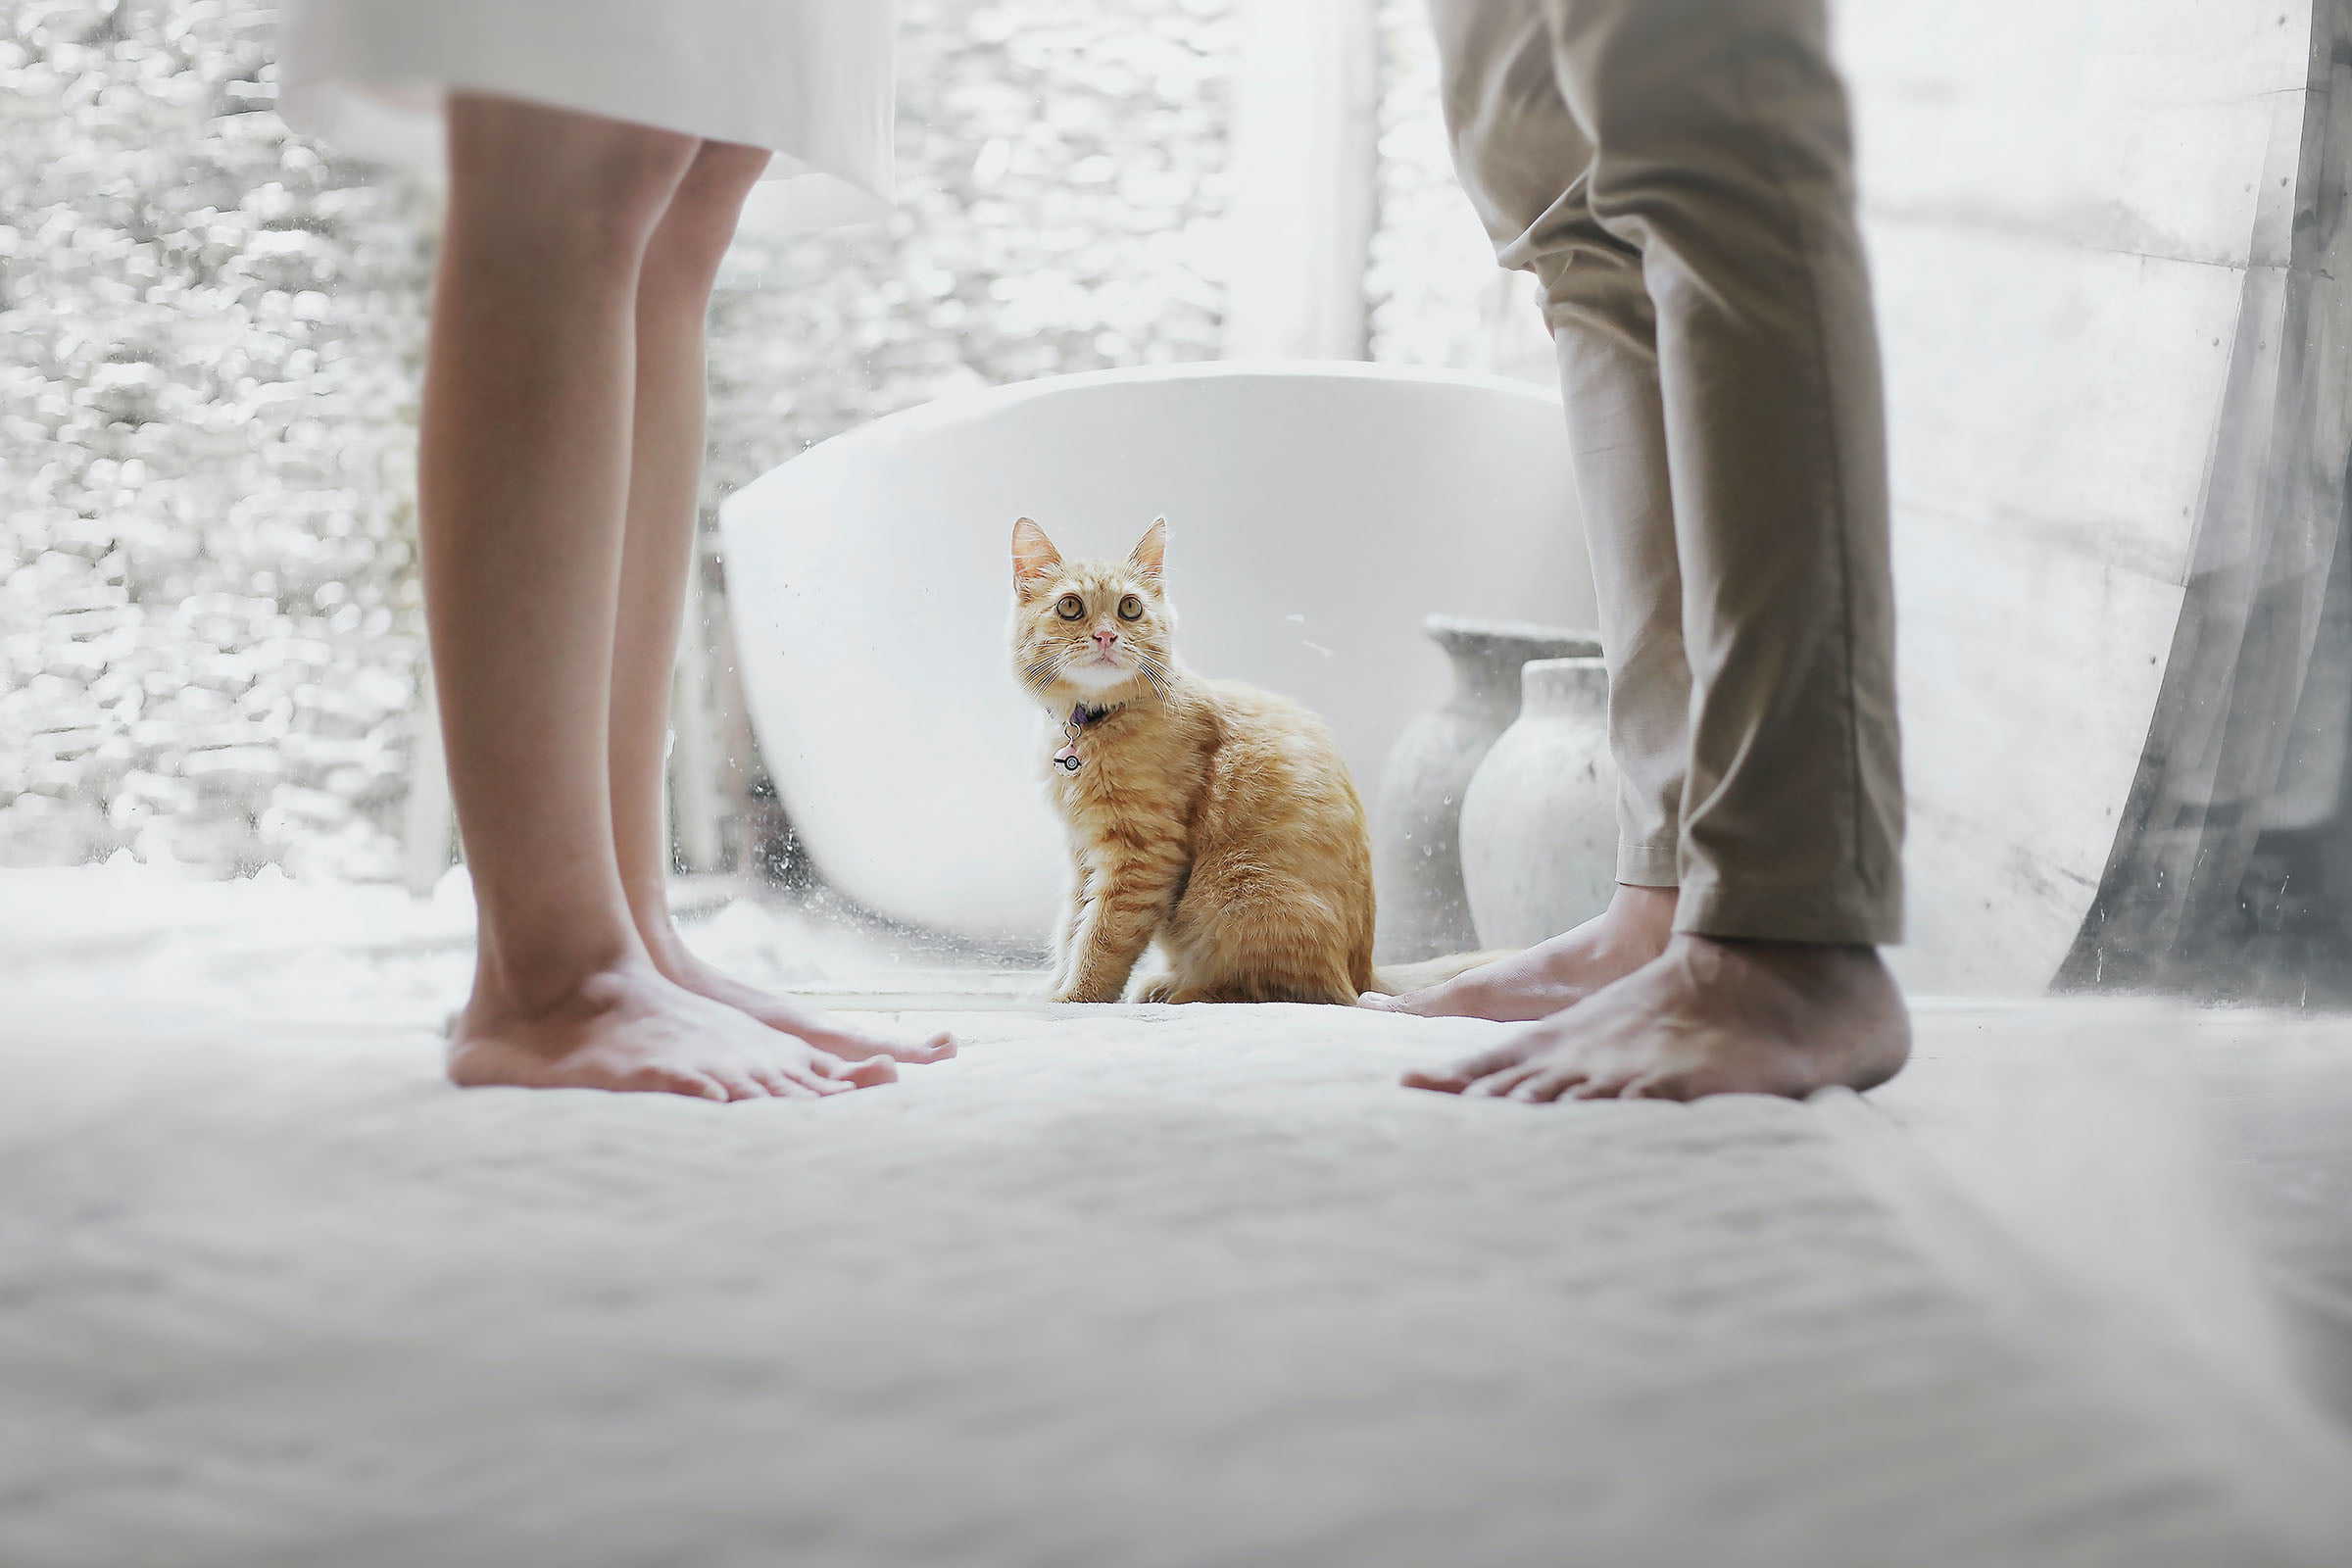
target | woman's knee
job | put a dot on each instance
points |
(562, 178)
(699, 222)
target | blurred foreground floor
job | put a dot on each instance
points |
(1144, 1286)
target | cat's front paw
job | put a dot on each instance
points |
(1160, 987)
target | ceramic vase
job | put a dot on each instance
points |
(1424, 910)
(1538, 835)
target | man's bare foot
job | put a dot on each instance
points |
(690, 973)
(1560, 973)
(1707, 1018)
(628, 1028)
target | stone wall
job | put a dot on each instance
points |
(208, 608)
(210, 635)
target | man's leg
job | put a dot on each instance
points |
(1526, 163)
(1721, 154)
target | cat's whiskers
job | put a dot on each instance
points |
(1039, 674)
(1156, 674)
(1046, 665)
(1047, 669)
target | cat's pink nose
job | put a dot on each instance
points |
(1104, 637)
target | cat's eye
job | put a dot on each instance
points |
(1131, 609)
(1071, 606)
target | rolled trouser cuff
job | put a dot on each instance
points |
(1757, 912)
(1649, 863)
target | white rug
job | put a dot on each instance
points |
(1170, 1287)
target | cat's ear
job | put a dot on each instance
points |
(1150, 556)
(1033, 558)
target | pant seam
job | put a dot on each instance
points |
(1856, 839)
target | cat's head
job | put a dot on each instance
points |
(1095, 629)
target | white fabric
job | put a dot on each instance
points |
(809, 79)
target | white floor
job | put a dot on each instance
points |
(1138, 1286)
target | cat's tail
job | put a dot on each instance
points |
(1396, 979)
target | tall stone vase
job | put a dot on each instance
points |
(1539, 838)
(1424, 910)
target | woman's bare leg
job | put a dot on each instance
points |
(522, 483)
(673, 300)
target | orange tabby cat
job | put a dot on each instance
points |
(1213, 817)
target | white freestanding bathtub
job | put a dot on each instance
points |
(1317, 512)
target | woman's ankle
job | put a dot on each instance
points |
(536, 979)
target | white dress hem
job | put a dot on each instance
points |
(811, 81)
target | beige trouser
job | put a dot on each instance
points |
(1678, 176)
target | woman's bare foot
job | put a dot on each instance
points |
(628, 1028)
(690, 973)
(1556, 974)
(1707, 1018)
